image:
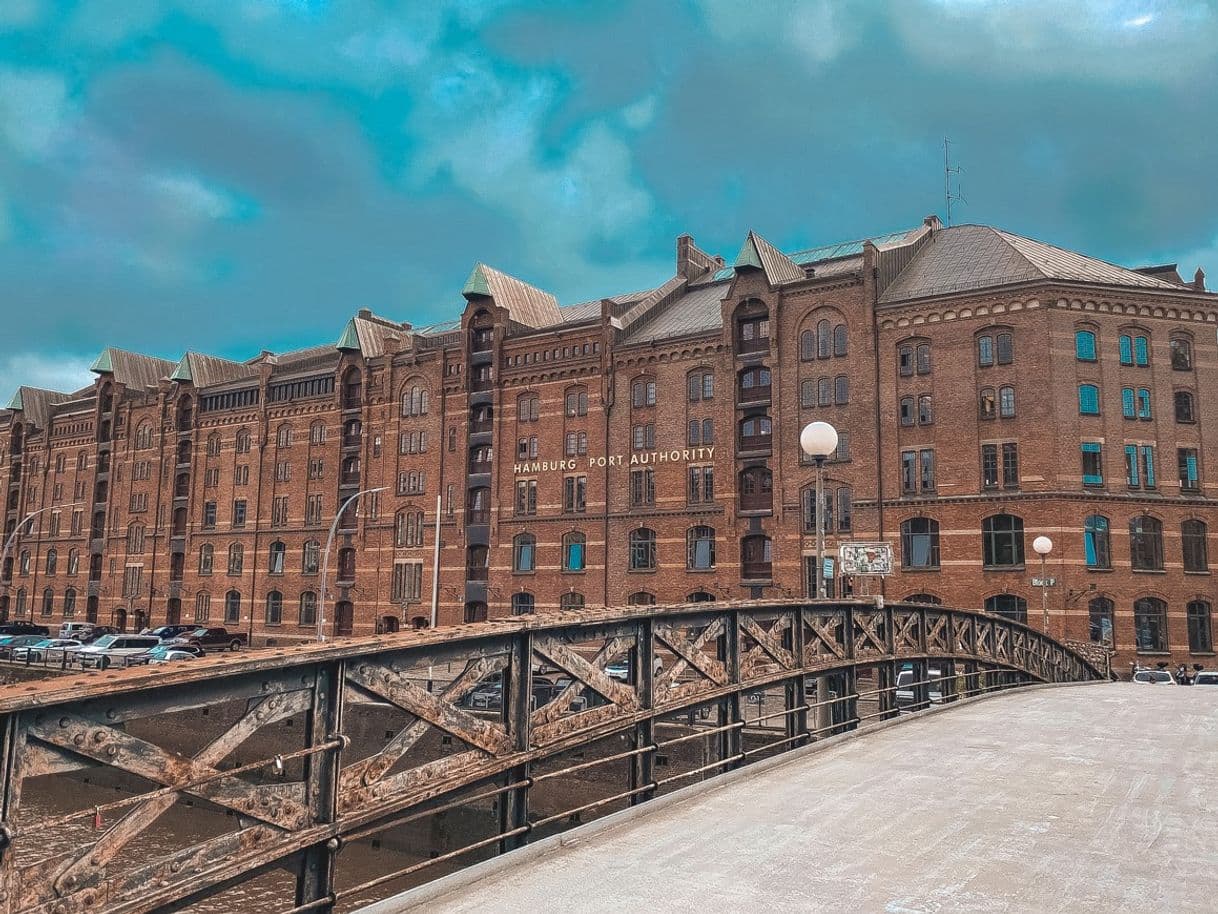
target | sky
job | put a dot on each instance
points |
(236, 175)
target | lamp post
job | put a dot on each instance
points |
(1042, 546)
(8, 543)
(325, 559)
(819, 440)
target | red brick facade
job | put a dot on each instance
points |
(570, 451)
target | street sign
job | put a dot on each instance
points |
(866, 558)
(1044, 582)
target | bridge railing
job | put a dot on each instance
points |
(279, 760)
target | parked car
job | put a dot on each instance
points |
(84, 631)
(164, 653)
(46, 649)
(24, 628)
(1153, 677)
(619, 670)
(169, 632)
(113, 650)
(89, 635)
(10, 643)
(217, 638)
(905, 687)
(1206, 677)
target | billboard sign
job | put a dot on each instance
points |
(866, 558)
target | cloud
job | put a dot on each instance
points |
(816, 30)
(52, 371)
(192, 197)
(33, 109)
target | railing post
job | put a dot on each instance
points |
(733, 739)
(797, 690)
(518, 706)
(315, 876)
(642, 771)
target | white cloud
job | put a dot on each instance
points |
(33, 109)
(52, 371)
(817, 30)
(639, 115)
(190, 196)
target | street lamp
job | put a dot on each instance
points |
(325, 559)
(819, 440)
(8, 543)
(1042, 546)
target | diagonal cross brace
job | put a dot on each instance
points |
(690, 654)
(559, 706)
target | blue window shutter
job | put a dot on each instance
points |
(1132, 475)
(1089, 547)
(1084, 345)
(1128, 408)
(1148, 462)
(1142, 351)
(1191, 462)
(1143, 403)
(1126, 350)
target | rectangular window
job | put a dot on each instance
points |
(1010, 465)
(1133, 475)
(1093, 463)
(701, 484)
(905, 361)
(1129, 407)
(642, 487)
(313, 510)
(239, 512)
(927, 461)
(526, 496)
(909, 472)
(1088, 400)
(1143, 403)
(407, 582)
(209, 514)
(279, 511)
(1141, 351)
(1084, 346)
(1186, 462)
(989, 466)
(575, 493)
(1148, 465)
(1126, 350)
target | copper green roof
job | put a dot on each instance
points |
(15, 403)
(182, 372)
(102, 363)
(476, 284)
(350, 338)
(759, 254)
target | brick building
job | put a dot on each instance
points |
(644, 448)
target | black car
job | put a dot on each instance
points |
(169, 632)
(24, 628)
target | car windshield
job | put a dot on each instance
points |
(1206, 679)
(105, 641)
(1154, 676)
(199, 633)
(45, 642)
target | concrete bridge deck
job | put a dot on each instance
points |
(1085, 798)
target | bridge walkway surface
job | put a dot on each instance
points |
(1055, 799)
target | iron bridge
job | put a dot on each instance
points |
(295, 756)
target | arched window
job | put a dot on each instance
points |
(236, 558)
(414, 400)
(1008, 606)
(143, 436)
(48, 602)
(807, 393)
(700, 596)
(1181, 354)
(207, 554)
(243, 442)
(1150, 624)
(283, 436)
(755, 433)
(317, 433)
(824, 339)
(21, 597)
(985, 351)
(1002, 541)
(920, 543)
(528, 407)
(73, 562)
(928, 598)
(641, 598)
(571, 601)
(756, 556)
(352, 388)
(1006, 402)
(52, 562)
(135, 539)
(310, 560)
(232, 607)
(1146, 543)
(1200, 627)
(1196, 552)
(274, 608)
(824, 392)
(987, 403)
(524, 553)
(756, 489)
(522, 604)
(1185, 408)
(700, 385)
(408, 527)
(752, 327)
(213, 445)
(277, 554)
(69, 603)
(352, 430)
(642, 549)
(1084, 345)
(23, 563)
(1097, 552)
(839, 339)
(202, 606)
(574, 552)
(576, 401)
(807, 345)
(1088, 400)
(841, 390)
(700, 548)
(308, 608)
(642, 393)
(1099, 621)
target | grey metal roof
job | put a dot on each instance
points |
(35, 403)
(132, 369)
(208, 370)
(582, 312)
(697, 311)
(966, 257)
(527, 304)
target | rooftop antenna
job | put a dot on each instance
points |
(948, 170)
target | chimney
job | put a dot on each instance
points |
(932, 222)
(692, 262)
(1199, 280)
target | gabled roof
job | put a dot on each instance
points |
(207, 370)
(759, 254)
(967, 257)
(697, 311)
(132, 369)
(367, 335)
(526, 304)
(35, 403)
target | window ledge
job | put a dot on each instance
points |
(1202, 654)
(1141, 653)
(1100, 570)
(1149, 570)
(1004, 568)
(1201, 573)
(920, 569)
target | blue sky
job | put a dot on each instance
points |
(232, 175)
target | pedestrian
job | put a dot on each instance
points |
(1182, 675)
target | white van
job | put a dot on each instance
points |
(76, 629)
(112, 650)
